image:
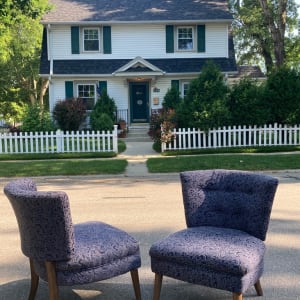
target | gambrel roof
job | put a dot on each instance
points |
(118, 11)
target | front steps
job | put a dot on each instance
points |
(137, 133)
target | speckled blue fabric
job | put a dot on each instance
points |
(83, 253)
(44, 220)
(230, 199)
(227, 215)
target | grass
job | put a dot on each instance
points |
(226, 161)
(61, 167)
(55, 164)
(262, 149)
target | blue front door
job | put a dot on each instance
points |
(139, 102)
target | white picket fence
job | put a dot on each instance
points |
(235, 136)
(59, 142)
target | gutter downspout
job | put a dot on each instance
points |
(50, 57)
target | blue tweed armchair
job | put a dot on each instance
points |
(227, 215)
(64, 254)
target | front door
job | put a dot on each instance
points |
(139, 102)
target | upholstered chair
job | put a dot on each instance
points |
(227, 216)
(64, 254)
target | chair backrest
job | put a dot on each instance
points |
(44, 221)
(230, 199)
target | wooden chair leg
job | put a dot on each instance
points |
(236, 296)
(258, 288)
(34, 281)
(136, 284)
(52, 283)
(157, 286)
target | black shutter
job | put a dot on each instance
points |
(169, 38)
(175, 84)
(69, 89)
(106, 39)
(201, 38)
(75, 39)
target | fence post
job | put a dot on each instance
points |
(59, 141)
(115, 139)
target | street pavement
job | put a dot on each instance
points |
(149, 207)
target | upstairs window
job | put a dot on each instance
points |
(91, 39)
(87, 92)
(185, 38)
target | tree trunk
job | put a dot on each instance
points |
(44, 87)
(277, 28)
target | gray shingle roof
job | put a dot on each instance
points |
(74, 11)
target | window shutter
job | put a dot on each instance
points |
(201, 38)
(169, 38)
(69, 89)
(106, 39)
(175, 84)
(102, 86)
(75, 39)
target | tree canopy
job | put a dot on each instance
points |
(20, 45)
(263, 32)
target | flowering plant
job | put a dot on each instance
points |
(167, 134)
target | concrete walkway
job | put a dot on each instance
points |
(149, 206)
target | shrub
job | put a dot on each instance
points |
(172, 98)
(102, 122)
(283, 97)
(12, 112)
(36, 118)
(104, 104)
(204, 106)
(69, 114)
(247, 105)
(162, 119)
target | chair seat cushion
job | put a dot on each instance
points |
(101, 252)
(98, 244)
(219, 249)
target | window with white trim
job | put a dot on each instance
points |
(185, 38)
(91, 39)
(184, 88)
(87, 92)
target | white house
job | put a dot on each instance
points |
(136, 49)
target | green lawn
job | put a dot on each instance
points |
(226, 161)
(62, 167)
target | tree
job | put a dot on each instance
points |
(283, 97)
(204, 106)
(20, 46)
(247, 105)
(172, 98)
(261, 30)
(104, 105)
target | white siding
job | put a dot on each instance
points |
(216, 40)
(117, 88)
(147, 41)
(60, 39)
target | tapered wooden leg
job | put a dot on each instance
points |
(34, 281)
(258, 288)
(136, 283)
(236, 296)
(52, 283)
(157, 286)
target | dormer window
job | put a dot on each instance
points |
(91, 39)
(185, 38)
